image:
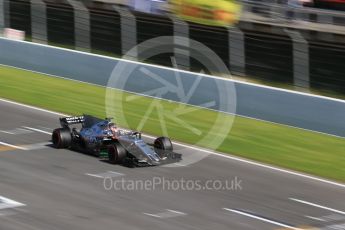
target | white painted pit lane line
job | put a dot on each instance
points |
(108, 174)
(317, 206)
(37, 130)
(6, 203)
(177, 212)
(253, 163)
(340, 226)
(7, 132)
(153, 215)
(178, 164)
(13, 146)
(334, 217)
(168, 213)
(45, 128)
(315, 218)
(37, 146)
(27, 147)
(233, 158)
(262, 219)
(17, 131)
(93, 175)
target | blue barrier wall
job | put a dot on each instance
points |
(303, 111)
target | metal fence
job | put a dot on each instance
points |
(281, 11)
(266, 45)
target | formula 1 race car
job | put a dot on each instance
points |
(103, 139)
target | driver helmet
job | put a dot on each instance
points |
(112, 127)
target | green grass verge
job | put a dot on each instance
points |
(279, 145)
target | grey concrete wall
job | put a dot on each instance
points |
(303, 111)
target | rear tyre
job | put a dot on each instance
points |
(163, 143)
(61, 138)
(116, 153)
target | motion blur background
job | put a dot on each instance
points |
(296, 44)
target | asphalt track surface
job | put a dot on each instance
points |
(62, 189)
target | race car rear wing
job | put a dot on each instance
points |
(66, 121)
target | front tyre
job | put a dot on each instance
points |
(163, 143)
(61, 138)
(116, 153)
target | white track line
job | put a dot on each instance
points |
(13, 146)
(306, 176)
(8, 203)
(37, 130)
(177, 212)
(105, 175)
(93, 175)
(178, 164)
(116, 173)
(169, 213)
(153, 215)
(3, 131)
(37, 146)
(32, 107)
(315, 218)
(261, 218)
(45, 128)
(318, 206)
(253, 163)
